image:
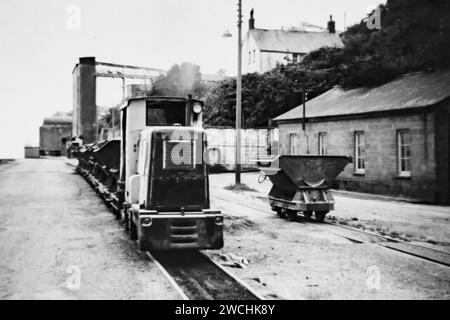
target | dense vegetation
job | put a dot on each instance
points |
(414, 36)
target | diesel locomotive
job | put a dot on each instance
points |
(155, 176)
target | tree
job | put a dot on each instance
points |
(264, 96)
(180, 81)
(414, 36)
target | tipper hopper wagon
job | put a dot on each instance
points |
(302, 184)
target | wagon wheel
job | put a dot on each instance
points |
(308, 214)
(125, 219)
(132, 229)
(320, 215)
(280, 212)
(291, 215)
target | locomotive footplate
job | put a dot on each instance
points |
(174, 230)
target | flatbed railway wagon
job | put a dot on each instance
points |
(302, 184)
(156, 178)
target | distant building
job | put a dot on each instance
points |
(398, 135)
(31, 152)
(53, 135)
(264, 49)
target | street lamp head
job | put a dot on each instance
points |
(227, 34)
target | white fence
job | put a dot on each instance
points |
(255, 143)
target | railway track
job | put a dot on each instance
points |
(196, 277)
(360, 236)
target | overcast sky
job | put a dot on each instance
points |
(40, 45)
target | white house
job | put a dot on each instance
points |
(263, 49)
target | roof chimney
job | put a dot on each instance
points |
(251, 22)
(331, 25)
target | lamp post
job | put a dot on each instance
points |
(238, 94)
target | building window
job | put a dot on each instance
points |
(293, 144)
(404, 153)
(249, 57)
(360, 152)
(254, 56)
(322, 143)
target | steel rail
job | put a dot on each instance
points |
(196, 276)
(411, 249)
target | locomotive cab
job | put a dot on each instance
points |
(165, 176)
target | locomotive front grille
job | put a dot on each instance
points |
(183, 232)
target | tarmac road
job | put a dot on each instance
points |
(58, 240)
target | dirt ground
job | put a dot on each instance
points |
(58, 241)
(298, 260)
(427, 225)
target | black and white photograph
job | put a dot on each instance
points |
(244, 151)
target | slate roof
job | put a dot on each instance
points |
(294, 41)
(408, 91)
(58, 120)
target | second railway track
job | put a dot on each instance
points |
(360, 236)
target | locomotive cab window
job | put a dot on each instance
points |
(165, 113)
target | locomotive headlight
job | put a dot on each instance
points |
(197, 108)
(219, 220)
(146, 222)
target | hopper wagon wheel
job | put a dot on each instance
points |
(291, 215)
(320, 215)
(280, 212)
(308, 214)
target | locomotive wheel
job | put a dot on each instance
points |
(116, 214)
(291, 215)
(308, 214)
(132, 229)
(125, 220)
(320, 215)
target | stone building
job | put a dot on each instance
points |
(53, 135)
(264, 49)
(398, 135)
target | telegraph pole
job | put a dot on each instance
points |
(239, 96)
(304, 108)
